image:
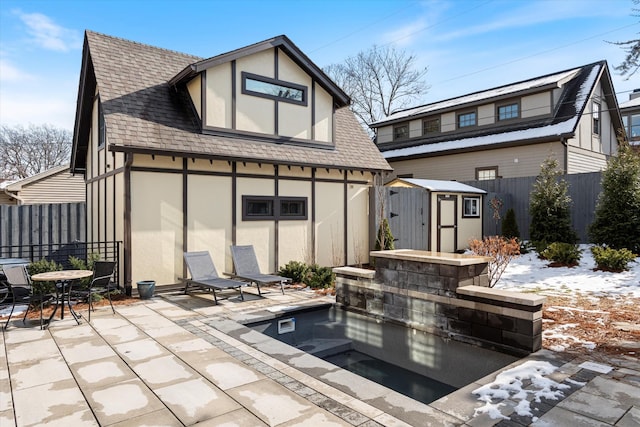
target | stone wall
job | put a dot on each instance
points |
(444, 296)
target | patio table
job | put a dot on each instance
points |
(64, 282)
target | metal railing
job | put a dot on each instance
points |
(60, 252)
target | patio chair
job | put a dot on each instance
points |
(246, 266)
(101, 283)
(23, 292)
(204, 275)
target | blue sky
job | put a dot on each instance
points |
(467, 45)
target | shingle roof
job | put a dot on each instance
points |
(143, 112)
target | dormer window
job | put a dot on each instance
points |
(508, 111)
(265, 87)
(400, 132)
(431, 126)
(467, 119)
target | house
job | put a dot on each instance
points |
(435, 215)
(630, 111)
(253, 146)
(508, 131)
(55, 185)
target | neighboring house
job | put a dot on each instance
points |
(55, 185)
(630, 111)
(508, 131)
(254, 146)
(435, 215)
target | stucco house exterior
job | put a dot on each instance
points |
(254, 146)
(55, 185)
(508, 131)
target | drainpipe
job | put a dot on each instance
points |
(564, 142)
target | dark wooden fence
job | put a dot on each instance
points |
(584, 189)
(42, 224)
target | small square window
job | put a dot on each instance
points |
(506, 112)
(400, 132)
(487, 173)
(471, 207)
(467, 119)
(431, 126)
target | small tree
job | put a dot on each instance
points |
(501, 250)
(617, 222)
(384, 242)
(509, 225)
(550, 207)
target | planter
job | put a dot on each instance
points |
(146, 288)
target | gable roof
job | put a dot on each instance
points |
(17, 185)
(145, 112)
(577, 85)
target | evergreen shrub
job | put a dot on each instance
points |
(609, 259)
(562, 254)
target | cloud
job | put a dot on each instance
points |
(11, 73)
(47, 34)
(406, 34)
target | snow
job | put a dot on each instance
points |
(528, 273)
(448, 186)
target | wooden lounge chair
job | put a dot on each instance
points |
(204, 275)
(246, 266)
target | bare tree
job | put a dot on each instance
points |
(631, 63)
(380, 81)
(27, 151)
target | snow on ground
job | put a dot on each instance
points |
(528, 273)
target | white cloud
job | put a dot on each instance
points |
(11, 73)
(49, 35)
(406, 34)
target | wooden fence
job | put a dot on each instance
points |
(584, 189)
(42, 224)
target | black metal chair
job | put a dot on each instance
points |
(23, 292)
(101, 283)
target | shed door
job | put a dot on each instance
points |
(447, 223)
(408, 217)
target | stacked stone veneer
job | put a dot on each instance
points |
(444, 294)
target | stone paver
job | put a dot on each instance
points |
(180, 360)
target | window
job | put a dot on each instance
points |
(487, 173)
(595, 117)
(634, 126)
(401, 132)
(471, 207)
(430, 126)
(261, 208)
(467, 119)
(506, 112)
(265, 87)
(102, 131)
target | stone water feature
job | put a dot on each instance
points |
(446, 295)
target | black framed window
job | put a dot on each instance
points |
(400, 132)
(261, 208)
(595, 117)
(102, 131)
(431, 126)
(509, 111)
(266, 87)
(467, 119)
(471, 207)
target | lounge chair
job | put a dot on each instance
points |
(246, 266)
(204, 275)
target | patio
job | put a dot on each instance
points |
(167, 361)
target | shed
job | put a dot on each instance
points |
(434, 215)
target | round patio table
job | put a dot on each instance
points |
(64, 281)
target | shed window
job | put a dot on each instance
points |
(471, 207)
(266, 87)
(260, 208)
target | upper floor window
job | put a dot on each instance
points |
(265, 87)
(401, 132)
(634, 126)
(506, 112)
(487, 173)
(467, 119)
(102, 130)
(430, 126)
(595, 117)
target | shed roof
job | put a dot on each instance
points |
(439, 185)
(145, 113)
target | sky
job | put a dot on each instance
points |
(466, 45)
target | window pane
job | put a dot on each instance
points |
(471, 206)
(506, 112)
(278, 91)
(401, 132)
(292, 208)
(635, 126)
(431, 126)
(595, 116)
(468, 119)
(260, 208)
(486, 174)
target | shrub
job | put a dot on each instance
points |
(43, 266)
(295, 270)
(609, 259)
(501, 250)
(319, 277)
(80, 264)
(509, 225)
(384, 241)
(562, 254)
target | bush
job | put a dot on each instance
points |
(295, 270)
(609, 259)
(562, 254)
(319, 277)
(384, 241)
(501, 250)
(80, 264)
(509, 225)
(43, 266)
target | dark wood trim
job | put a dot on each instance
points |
(234, 91)
(234, 202)
(261, 137)
(185, 211)
(276, 228)
(313, 110)
(313, 216)
(346, 218)
(276, 115)
(127, 222)
(106, 175)
(203, 100)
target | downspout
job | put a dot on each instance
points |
(564, 142)
(127, 223)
